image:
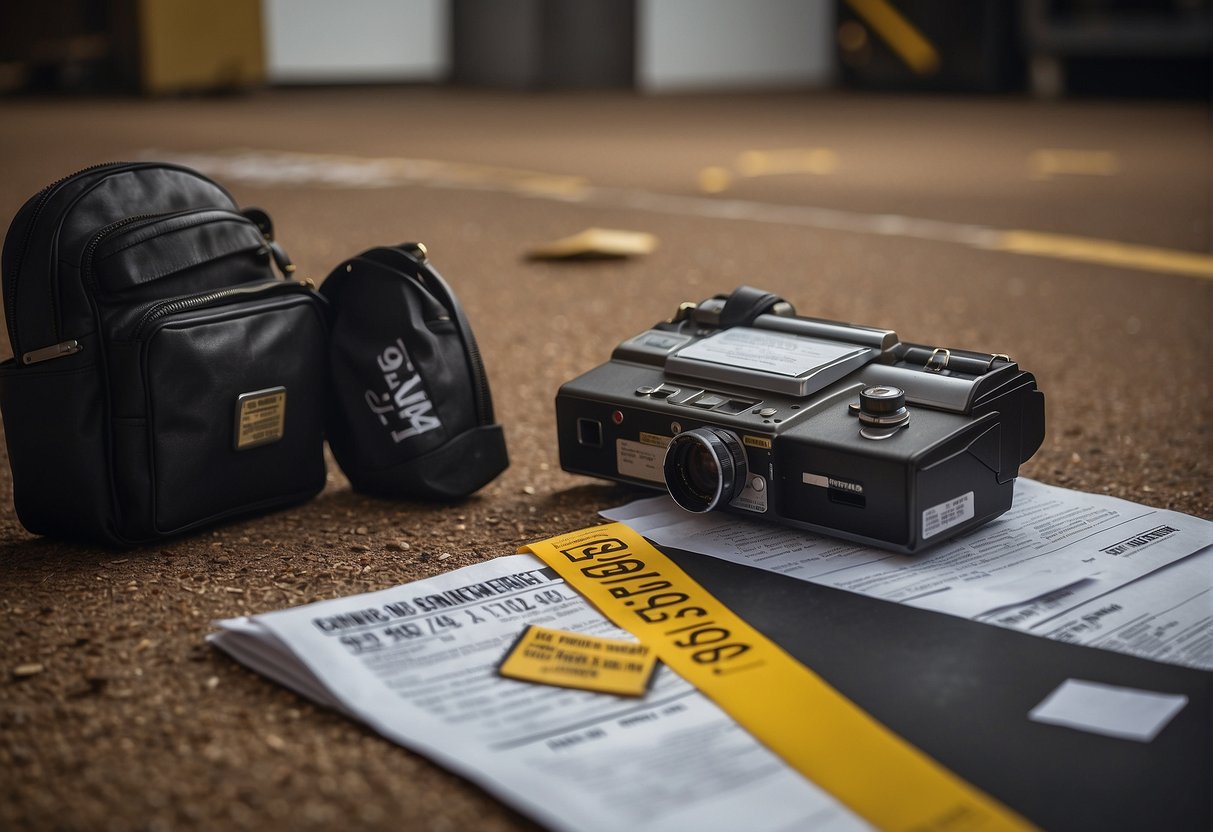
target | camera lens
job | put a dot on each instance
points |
(705, 468)
(702, 472)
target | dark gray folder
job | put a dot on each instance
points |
(961, 691)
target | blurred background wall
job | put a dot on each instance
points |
(722, 44)
(372, 41)
(1050, 48)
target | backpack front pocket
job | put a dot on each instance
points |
(145, 257)
(217, 404)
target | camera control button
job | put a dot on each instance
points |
(880, 401)
(661, 391)
(882, 411)
(767, 412)
(709, 400)
(734, 406)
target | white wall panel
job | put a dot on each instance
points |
(322, 41)
(733, 44)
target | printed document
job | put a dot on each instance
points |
(417, 663)
(1166, 616)
(1054, 543)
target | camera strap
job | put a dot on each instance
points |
(786, 706)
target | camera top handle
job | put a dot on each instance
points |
(745, 304)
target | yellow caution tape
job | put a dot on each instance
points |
(790, 709)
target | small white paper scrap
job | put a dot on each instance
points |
(1127, 713)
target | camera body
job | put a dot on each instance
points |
(738, 404)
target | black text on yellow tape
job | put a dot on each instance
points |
(790, 709)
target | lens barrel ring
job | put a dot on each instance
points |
(705, 468)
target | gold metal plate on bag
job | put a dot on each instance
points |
(260, 417)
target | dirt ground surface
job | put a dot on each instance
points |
(892, 212)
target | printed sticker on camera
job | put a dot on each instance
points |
(944, 516)
(641, 460)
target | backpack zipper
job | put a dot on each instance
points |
(91, 249)
(481, 379)
(68, 347)
(10, 283)
(72, 346)
(157, 311)
(42, 197)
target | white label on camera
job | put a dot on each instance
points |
(753, 497)
(641, 460)
(771, 352)
(822, 481)
(944, 516)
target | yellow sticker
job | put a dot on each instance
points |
(576, 660)
(786, 706)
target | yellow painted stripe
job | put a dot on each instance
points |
(786, 706)
(1104, 252)
(525, 181)
(270, 168)
(1048, 162)
(815, 160)
(714, 179)
(900, 34)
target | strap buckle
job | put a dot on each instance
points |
(938, 362)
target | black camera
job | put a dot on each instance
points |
(738, 404)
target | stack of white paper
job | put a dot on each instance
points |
(418, 664)
(1061, 564)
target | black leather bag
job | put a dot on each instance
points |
(164, 377)
(410, 415)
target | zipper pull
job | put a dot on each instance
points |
(70, 347)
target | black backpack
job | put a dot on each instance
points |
(164, 376)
